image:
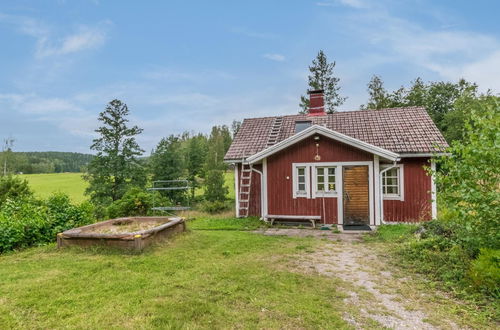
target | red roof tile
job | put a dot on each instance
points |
(400, 130)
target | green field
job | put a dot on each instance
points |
(73, 184)
(44, 185)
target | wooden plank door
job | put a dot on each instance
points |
(355, 195)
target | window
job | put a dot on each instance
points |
(392, 183)
(325, 181)
(301, 125)
(301, 180)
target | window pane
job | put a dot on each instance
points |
(391, 181)
(321, 179)
(301, 170)
(302, 179)
(331, 187)
(391, 190)
(321, 171)
(321, 187)
(331, 179)
(331, 170)
(302, 187)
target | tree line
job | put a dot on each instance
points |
(42, 162)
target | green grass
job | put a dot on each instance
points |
(201, 279)
(392, 233)
(44, 185)
(208, 223)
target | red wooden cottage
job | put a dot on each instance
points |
(362, 167)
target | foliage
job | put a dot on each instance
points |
(167, 162)
(214, 206)
(47, 162)
(485, 271)
(215, 190)
(135, 202)
(322, 77)
(12, 187)
(26, 221)
(469, 181)
(196, 154)
(447, 103)
(116, 166)
(218, 143)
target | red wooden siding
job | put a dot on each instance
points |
(417, 202)
(279, 168)
(255, 190)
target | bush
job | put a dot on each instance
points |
(135, 202)
(26, 221)
(484, 273)
(12, 187)
(214, 207)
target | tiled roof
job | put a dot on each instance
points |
(400, 130)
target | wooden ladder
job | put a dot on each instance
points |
(275, 131)
(245, 188)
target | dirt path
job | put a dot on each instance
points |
(374, 297)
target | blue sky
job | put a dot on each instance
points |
(189, 65)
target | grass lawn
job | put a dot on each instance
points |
(46, 184)
(73, 184)
(201, 279)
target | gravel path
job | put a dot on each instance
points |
(365, 277)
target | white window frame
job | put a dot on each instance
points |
(315, 192)
(295, 181)
(401, 186)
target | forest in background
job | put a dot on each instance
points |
(43, 162)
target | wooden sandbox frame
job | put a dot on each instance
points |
(138, 240)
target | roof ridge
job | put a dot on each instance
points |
(416, 107)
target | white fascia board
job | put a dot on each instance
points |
(425, 154)
(316, 129)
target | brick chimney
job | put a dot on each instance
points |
(316, 103)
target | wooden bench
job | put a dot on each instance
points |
(311, 218)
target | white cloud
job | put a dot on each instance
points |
(274, 57)
(450, 53)
(85, 38)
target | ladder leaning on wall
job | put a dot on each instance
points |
(244, 190)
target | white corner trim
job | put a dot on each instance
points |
(237, 189)
(401, 182)
(376, 171)
(316, 129)
(433, 190)
(264, 188)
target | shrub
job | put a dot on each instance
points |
(484, 273)
(26, 221)
(12, 187)
(135, 202)
(214, 207)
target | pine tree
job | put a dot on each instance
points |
(321, 77)
(116, 166)
(196, 153)
(379, 98)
